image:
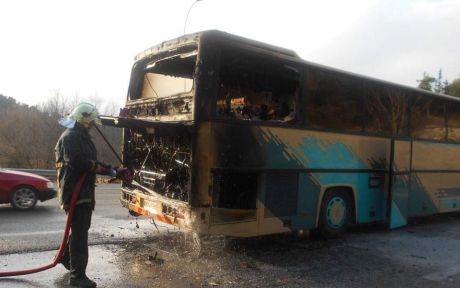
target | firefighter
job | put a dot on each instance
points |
(75, 156)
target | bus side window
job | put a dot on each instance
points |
(453, 121)
(333, 102)
(386, 110)
(428, 119)
(257, 88)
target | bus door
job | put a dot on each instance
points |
(398, 197)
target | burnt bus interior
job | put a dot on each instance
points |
(256, 87)
(253, 87)
(161, 89)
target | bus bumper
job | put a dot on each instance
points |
(165, 210)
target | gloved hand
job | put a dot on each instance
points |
(113, 172)
(124, 174)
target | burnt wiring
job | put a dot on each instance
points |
(161, 164)
(150, 84)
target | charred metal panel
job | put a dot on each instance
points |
(201, 173)
(170, 109)
(237, 146)
(206, 79)
(281, 195)
(237, 190)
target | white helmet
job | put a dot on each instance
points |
(84, 113)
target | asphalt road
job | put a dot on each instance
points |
(424, 255)
(41, 229)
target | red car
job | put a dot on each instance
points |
(23, 190)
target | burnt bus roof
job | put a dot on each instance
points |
(219, 36)
(212, 35)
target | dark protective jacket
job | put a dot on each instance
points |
(75, 155)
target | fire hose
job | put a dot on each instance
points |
(65, 238)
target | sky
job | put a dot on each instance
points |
(86, 48)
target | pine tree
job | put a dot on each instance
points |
(438, 83)
(427, 82)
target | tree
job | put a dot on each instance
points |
(454, 88)
(28, 134)
(439, 85)
(427, 82)
(59, 105)
(25, 136)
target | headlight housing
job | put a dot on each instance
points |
(50, 184)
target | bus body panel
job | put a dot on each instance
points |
(325, 160)
(315, 160)
(435, 183)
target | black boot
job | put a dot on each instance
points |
(82, 282)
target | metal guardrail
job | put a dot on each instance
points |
(50, 174)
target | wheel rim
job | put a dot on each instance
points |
(24, 198)
(336, 213)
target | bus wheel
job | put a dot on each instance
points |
(335, 213)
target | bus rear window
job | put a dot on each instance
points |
(169, 76)
(160, 85)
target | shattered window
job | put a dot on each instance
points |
(258, 88)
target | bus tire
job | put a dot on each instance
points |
(335, 214)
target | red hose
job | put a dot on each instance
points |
(65, 239)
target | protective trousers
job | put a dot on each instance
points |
(76, 252)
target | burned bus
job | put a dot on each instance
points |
(235, 137)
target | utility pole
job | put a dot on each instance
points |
(188, 13)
